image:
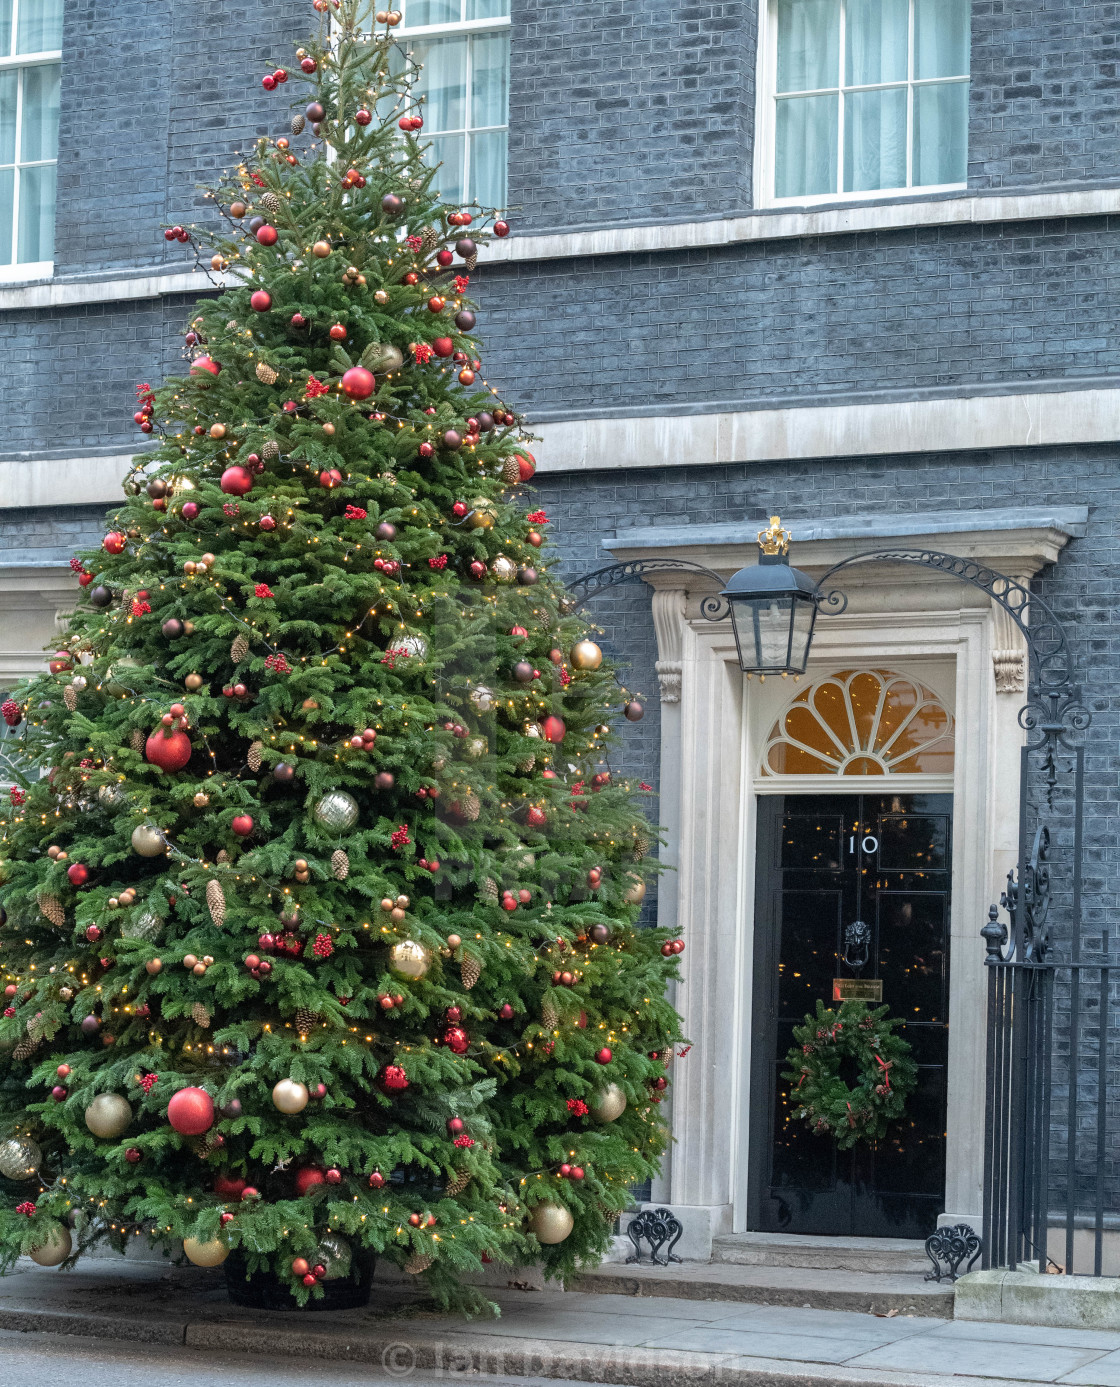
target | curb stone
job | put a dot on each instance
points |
(407, 1349)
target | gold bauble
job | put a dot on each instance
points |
(503, 570)
(551, 1223)
(482, 514)
(585, 654)
(148, 841)
(474, 748)
(636, 892)
(211, 1254)
(409, 959)
(290, 1096)
(608, 1104)
(55, 1248)
(108, 1115)
(20, 1158)
(193, 682)
(335, 1256)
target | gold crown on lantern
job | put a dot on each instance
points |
(774, 540)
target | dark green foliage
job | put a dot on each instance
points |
(332, 630)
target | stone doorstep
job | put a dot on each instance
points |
(829, 1289)
(409, 1346)
(884, 1255)
(1025, 1297)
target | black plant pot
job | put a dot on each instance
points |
(263, 1290)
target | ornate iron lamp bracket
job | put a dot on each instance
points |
(713, 607)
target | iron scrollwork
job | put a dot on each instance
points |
(1027, 901)
(658, 1227)
(714, 607)
(947, 1248)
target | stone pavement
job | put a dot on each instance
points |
(572, 1336)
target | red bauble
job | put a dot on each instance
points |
(553, 728)
(191, 1112)
(604, 1056)
(526, 465)
(501, 228)
(457, 1040)
(358, 383)
(168, 751)
(268, 235)
(393, 1078)
(444, 257)
(78, 874)
(455, 1125)
(84, 579)
(376, 1180)
(237, 481)
(204, 363)
(536, 817)
(506, 1012)
(334, 1176)
(228, 1186)
(132, 1155)
(190, 510)
(309, 1177)
(338, 332)
(443, 346)
(114, 542)
(268, 82)
(261, 301)
(362, 116)
(242, 825)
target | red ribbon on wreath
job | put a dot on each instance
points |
(886, 1066)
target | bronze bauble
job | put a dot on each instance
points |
(551, 1223)
(55, 1248)
(211, 1254)
(108, 1115)
(609, 1104)
(636, 892)
(585, 654)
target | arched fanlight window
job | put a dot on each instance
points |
(862, 722)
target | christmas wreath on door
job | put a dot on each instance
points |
(885, 1073)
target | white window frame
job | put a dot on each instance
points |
(20, 271)
(455, 29)
(765, 146)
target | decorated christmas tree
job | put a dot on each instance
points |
(319, 898)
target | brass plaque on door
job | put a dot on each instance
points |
(857, 989)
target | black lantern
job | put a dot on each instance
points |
(773, 608)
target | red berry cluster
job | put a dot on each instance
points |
(148, 1081)
(323, 946)
(278, 664)
(10, 712)
(577, 1107)
(355, 513)
(399, 837)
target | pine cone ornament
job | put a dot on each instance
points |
(136, 739)
(418, 1262)
(270, 450)
(222, 856)
(70, 698)
(470, 262)
(272, 203)
(511, 472)
(240, 648)
(488, 891)
(641, 847)
(471, 971)
(306, 1019)
(429, 238)
(266, 374)
(550, 1017)
(254, 756)
(216, 902)
(458, 1184)
(199, 1015)
(51, 907)
(35, 1029)
(527, 765)
(25, 1049)
(298, 122)
(340, 865)
(472, 806)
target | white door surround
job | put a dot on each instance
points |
(713, 719)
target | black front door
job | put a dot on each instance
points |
(826, 862)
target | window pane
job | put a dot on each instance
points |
(941, 38)
(39, 139)
(875, 140)
(417, 12)
(7, 195)
(40, 26)
(808, 44)
(941, 133)
(443, 82)
(5, 28)
(450, 151)
(488, 168)
(487, 9)
(8, 84)
(36, 213)
(489, 80)
(805, 153)
(877, 35)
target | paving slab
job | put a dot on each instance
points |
(1021, 1362)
